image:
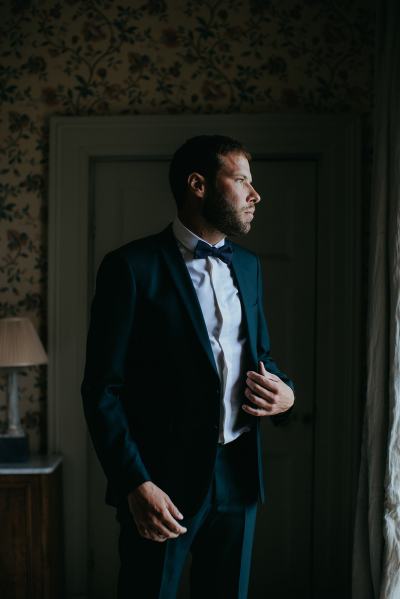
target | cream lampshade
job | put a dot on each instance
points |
(20, 347)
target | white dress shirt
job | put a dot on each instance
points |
(222, 311)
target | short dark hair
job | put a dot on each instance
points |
(200, 154)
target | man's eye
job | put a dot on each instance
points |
(241, 180)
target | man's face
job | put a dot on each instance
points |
(229, 205)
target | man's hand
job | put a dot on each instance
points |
(269, 394)
(154, 513)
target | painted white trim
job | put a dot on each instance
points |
(334, 141)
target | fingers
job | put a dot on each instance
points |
(160, 527)
(256, 411)
(267, 392)
(152, 535)
(261, 367)
(261, 406)
(158, 524)
(260, 391)
(174, 510)
(264, 372)
(170, 524)
(157, 531)
(265, 381)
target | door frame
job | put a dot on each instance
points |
(334, 142)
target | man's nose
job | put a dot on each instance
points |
(254, 196)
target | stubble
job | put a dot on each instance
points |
(220, 214)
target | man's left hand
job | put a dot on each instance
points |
(269, 394)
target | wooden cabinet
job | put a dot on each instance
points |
(31, 531)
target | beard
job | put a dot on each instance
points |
(219, 213)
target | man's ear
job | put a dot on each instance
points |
(197, 184)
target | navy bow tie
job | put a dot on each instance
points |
(202, 250)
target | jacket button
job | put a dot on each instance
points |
(215, 427)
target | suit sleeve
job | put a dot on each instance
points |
(263, 348)
(111, 321)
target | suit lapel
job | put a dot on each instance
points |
(245, 282)
(181, 277)
(184, 285)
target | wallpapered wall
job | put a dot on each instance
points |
(108, 57)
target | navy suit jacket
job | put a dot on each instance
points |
(151, 390)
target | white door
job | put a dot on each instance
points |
(132, 199)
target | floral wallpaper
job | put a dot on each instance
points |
(105, 57)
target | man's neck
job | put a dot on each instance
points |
(201, 228)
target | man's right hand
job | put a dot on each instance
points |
(154, 513)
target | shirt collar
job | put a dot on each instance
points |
(187, 238)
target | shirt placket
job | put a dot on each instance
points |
(221, 317)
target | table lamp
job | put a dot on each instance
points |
(20, 347)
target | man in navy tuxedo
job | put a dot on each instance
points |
(178, 376)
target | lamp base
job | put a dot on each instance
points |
(14, 449)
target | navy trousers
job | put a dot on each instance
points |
(219, 537)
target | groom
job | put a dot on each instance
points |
(178, 376)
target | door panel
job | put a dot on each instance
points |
(284, 237)
(132, 199)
